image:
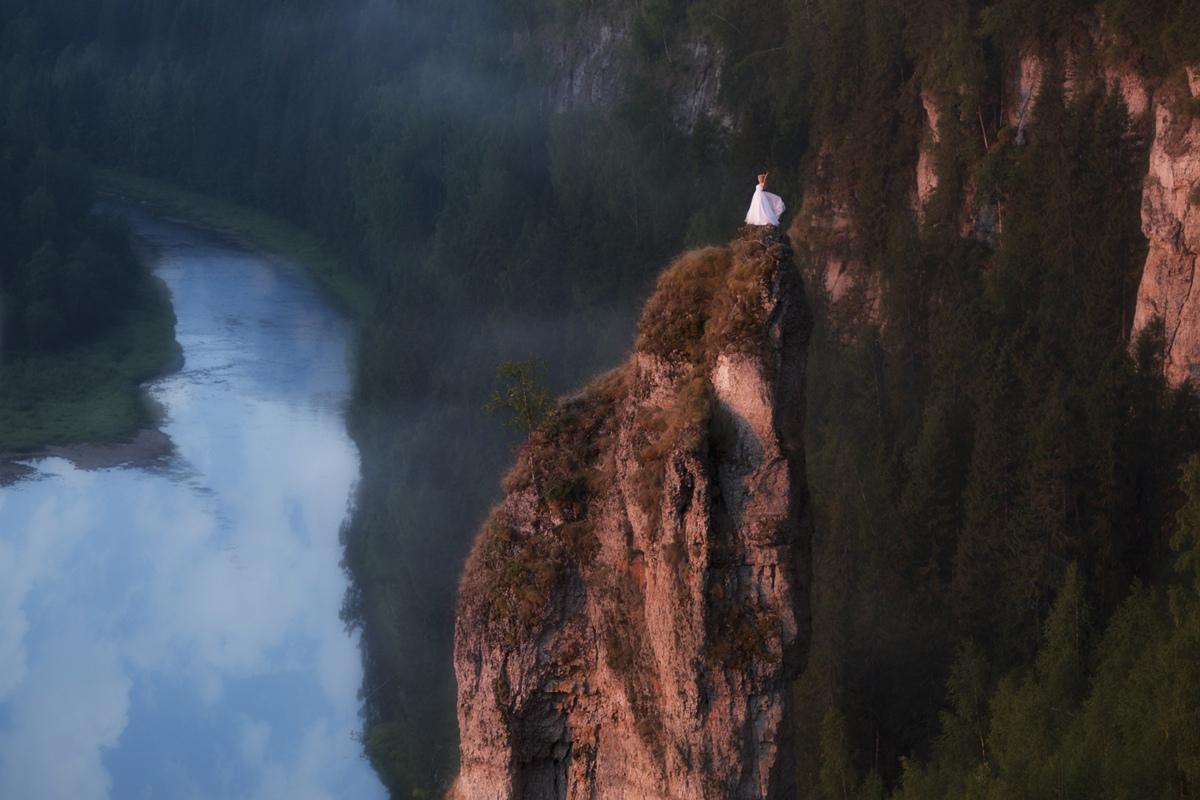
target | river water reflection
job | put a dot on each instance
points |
(173, 632)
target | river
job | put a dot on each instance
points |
(170, 629)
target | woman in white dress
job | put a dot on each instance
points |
(765, 207)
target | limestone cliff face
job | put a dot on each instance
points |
(825, 229)
(1171, 222)
(590, 65)
(633, 612)
(927, 177)
(829, 249)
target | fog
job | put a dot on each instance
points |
(418, 142)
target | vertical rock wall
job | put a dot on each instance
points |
(1171, 222)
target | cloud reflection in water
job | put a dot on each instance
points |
(175, 633)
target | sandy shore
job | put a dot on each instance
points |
(150, 447)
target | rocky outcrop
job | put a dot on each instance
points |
(1127, 81)
(1171, 222)
(927, 177)
(825, 229)
(828, 248)
(588, 69)
(634, 610)
(1031, 71)
(591, 64)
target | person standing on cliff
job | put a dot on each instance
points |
(765, 207)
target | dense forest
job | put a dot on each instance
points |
(1005, 586)
(82, 322)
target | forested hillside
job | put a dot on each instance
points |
(82, 322)
(995, 460)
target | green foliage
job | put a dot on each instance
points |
(260, 229)
(1162, 34)
(69, 276)
(1014, 23)
(520, 394)
(838, 777)
(1108, 716)
(1186, 540)
(470, 216)
(93, 392)
(390, 751)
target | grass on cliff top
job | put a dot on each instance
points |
(91, 393)
(515, 565)
(260, 230)
(673, 323)
(708, 301)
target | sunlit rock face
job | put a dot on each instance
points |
(1171, 222)
(927, 178)
(633, 612)
(1126, 80)
(1026, 84)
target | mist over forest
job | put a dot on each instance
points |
(486, 219)
(1004, 481)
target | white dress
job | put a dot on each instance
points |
(765, 208)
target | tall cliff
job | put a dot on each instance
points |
(634, 611)
(1171, 223)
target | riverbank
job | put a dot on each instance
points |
(131, 558)
(88, 405)
(255, 229)
(90, 394)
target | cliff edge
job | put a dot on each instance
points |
(634, 610)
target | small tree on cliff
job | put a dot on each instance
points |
(520, 392)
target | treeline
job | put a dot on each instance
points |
(67, 276)
(412, 135)
(992, 442)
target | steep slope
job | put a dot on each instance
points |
(634, 610)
